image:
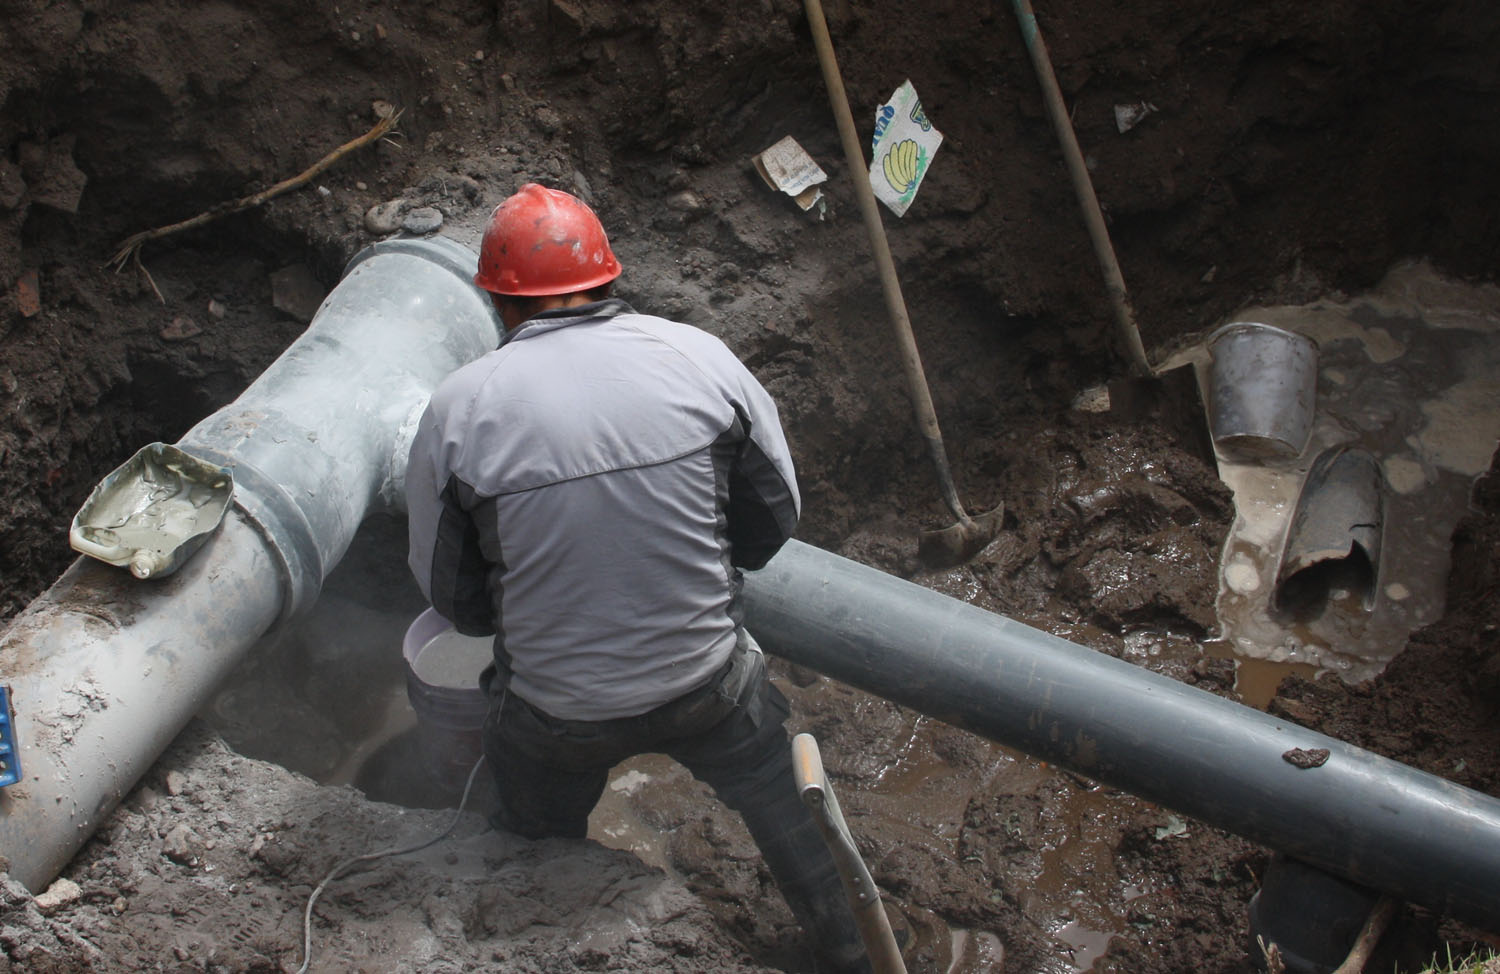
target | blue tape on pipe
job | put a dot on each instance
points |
(10, 757)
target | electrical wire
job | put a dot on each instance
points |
(339, 870)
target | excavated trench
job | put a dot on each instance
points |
(1290, 156)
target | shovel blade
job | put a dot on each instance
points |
(959, 542)
(1173, 401)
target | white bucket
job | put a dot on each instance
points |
(442, 683)
(1264, 388)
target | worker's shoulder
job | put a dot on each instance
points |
(690, 339)
(465, 381)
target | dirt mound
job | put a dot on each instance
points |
(209, 866)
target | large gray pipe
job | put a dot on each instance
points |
(106, 669)
(1375, 821)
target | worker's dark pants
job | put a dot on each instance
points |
(729, 733)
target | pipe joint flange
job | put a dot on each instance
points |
(448, 254)
(282, 523)
(393, 488)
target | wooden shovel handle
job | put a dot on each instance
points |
(864, 898)
(895, 304)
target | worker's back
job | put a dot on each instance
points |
(596, 454)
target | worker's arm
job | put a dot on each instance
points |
(763, 501)
(444, 550)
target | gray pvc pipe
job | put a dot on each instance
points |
(1374, 821)
(106, 669)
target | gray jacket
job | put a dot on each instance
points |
(588, 493)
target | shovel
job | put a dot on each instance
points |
(1173, 394)
(1083, 187)
(869, 913)
(968, 535)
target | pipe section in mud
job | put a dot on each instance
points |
(1355, 814)
(107, 669)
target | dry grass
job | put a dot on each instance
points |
(1484, 962)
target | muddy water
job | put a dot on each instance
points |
(919, 797)
(1410, 374)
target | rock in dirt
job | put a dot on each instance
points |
(61, 893)
(28, 295)
(384, 218)
(181, 845)
(547, 120)
(54, 179)
(424, 219)
(295, 291)
(686, 201)
(181, 329)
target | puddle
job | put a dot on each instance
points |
(1257, 680)
(1411, 374)
(976, 952)
(1075, 884)
(1078, 883)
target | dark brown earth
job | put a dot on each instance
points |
(1297, 150)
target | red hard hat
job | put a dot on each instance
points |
(544, 241)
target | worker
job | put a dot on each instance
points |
(588, 493)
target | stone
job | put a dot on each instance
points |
(295, 291)
(61, 893)
(685, 201)
(423, 219)
(181, 845)
(54, 179)
(384, 218)
(28, 295)
(181, 329)
(547, 120)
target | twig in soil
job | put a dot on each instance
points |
(1374, 927)
(1274, 963)
(136, 256)
(130, 248)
